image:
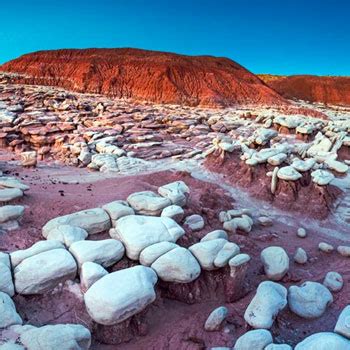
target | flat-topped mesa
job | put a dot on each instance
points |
(145, 75)
(328, 90)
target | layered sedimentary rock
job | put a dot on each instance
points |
(330, 90)
(145, 75)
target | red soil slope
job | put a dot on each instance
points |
(329, 90)
(145, 75)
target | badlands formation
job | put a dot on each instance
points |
(128, 224)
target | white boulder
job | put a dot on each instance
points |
(104, 252)
(138, 232)
(310, 300)
(269, 300)
(276, 262)
(121, 294)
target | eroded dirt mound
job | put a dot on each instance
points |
(329, 90)
(302, 195)
(145, 75)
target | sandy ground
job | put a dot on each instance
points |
(57, 190)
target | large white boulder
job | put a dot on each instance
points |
(6, 283)
(117, 210)
(207, 251)
(10, 212)
(343, 324)
(178, 265)
(177, 192)
(150, 254)
(105, 252)
(59, 336)
(276, 262)
(67, 234)
(257, 339)
(92, 220)
(44, 271)
(121, 294)
(138, 232)
(8, 313)
(269, 300)
(310, 300)
(324, 341)
(148, 203)
(39, 247)
(9, 194)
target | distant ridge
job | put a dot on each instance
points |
(325, 89)
(145, 75)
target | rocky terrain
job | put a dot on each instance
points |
(328, 90)
(145, 75)
(129, 225)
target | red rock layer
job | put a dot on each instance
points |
(329, 90)
(145, 75)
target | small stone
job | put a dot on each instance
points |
(288, 173)
(325, 247)
(322, 177)
(28, 159)
(300, 256)
(90, 273)
(265, 221)
(301, 232)
(173, 211)
(344, 250)
(194, 222)
(215, 319)
(333, 281)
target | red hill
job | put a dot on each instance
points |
(145, 75)
(330, 90)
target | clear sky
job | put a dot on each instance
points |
(265, 36)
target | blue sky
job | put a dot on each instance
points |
(265, 36)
